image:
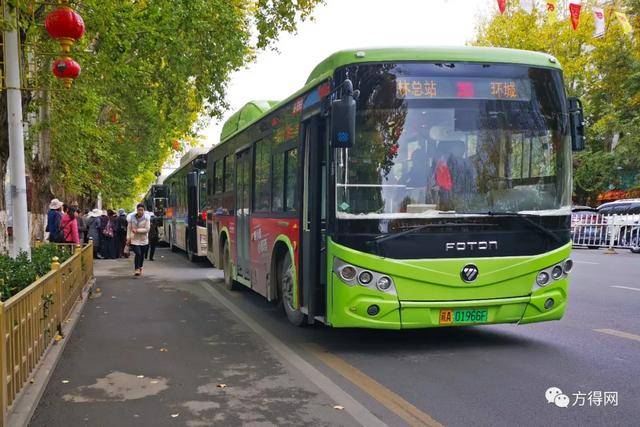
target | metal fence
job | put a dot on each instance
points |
(606, 231)
(31, 320)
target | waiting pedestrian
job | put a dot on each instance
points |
(54, 217)
(69, 226)
(138, 237)
(153, 237)
(106, 235)
(94, 230)
(122, 231)
(82, 224)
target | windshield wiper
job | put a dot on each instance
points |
(527, 219)
(416, 228)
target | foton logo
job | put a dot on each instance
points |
(472, 246)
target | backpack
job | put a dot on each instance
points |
(107, 231)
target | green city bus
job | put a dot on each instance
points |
(402, 188)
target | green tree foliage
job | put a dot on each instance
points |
(151, 68)
(604, 72)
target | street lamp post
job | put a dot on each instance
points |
(16, 135)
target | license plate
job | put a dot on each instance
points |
(451, 316)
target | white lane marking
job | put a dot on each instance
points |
(586, 262)
(626, 287)
(620, 334)
(351, 405)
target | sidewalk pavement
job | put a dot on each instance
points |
(161, 350)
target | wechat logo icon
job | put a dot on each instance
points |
(555, 395)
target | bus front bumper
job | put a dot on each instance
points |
(391, 313)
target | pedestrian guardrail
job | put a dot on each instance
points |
(31, 320)
(607, 231)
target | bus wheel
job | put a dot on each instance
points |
(295, 316)
(226, 267)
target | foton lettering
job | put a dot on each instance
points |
(486, 245)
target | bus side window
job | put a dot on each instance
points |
(228, 173)
(291, 166)
(278, 182)
(262, 195)
(218, 177)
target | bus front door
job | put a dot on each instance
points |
(314, 173)
(243, 212)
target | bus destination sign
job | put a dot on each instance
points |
(408, 87)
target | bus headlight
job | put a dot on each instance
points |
(348, 273)
(365, 277)
(557, 272)
(352, 275)
(384, 283)
(543, 278)
(567, 266)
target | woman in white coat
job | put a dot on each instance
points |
(138, 237)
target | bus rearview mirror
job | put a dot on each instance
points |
(343, 122)
(576, 124)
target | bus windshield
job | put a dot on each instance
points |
(457, 139)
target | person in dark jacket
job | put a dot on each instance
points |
(94, 231)
(82, 225)
(153, 237)
(106, 235)
(54, 217)
(122, 232)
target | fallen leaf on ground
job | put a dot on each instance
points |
(221, 385)
(338, 407)
(58, 337)
(65, 381)
(98, 290)
(163, 349)
(32, 381)
(174, 415)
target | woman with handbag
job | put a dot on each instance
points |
(138, 237)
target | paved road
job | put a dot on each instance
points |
(489, 375)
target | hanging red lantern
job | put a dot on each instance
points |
(67, 70)
(65, 25)
(574, 12)
(502, 5)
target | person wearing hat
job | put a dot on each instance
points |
(54, 217)
(94, 229)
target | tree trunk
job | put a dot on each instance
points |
(40, 171)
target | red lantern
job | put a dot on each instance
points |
(67, 70)
(65, 25)
(175, 144)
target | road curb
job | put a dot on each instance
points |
(27, 400)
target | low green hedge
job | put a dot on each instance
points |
(19, 273)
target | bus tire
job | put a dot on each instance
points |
(229, 283)
(285, 285)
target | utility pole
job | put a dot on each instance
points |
(16, 135)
